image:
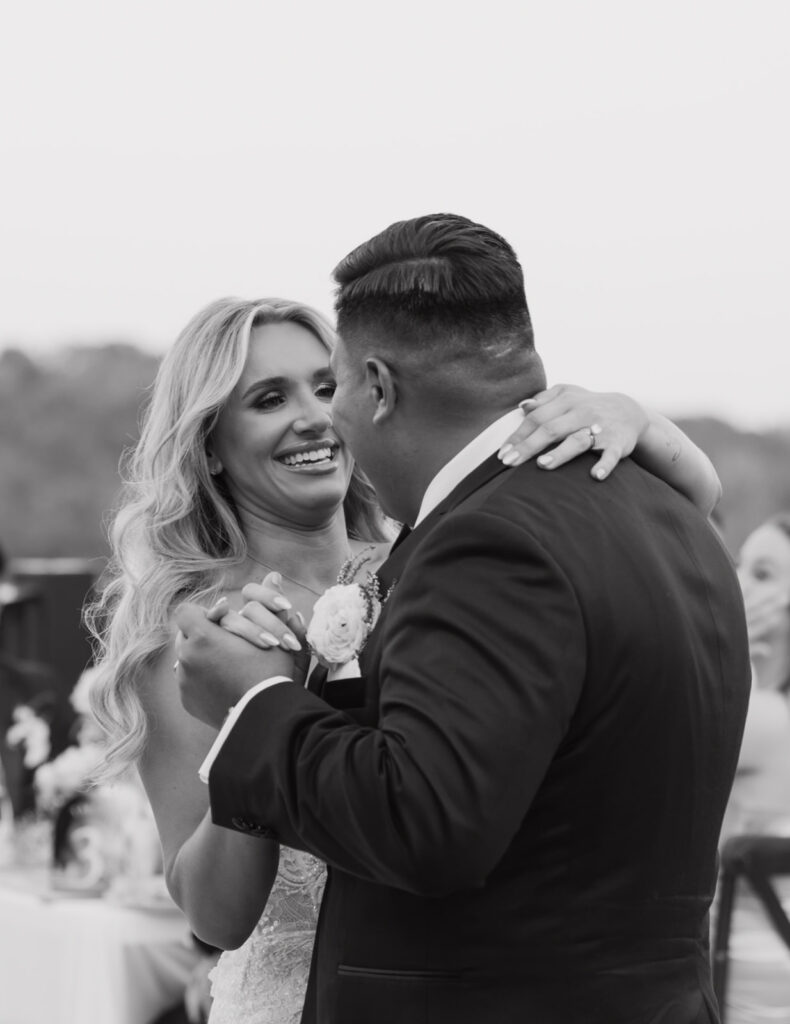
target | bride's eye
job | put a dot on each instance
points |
(326, 390)
(269, 400)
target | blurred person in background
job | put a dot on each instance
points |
(239, 473)
(11, 694)
(758, 989)
(764, 571)
(760, 799)
(24, 683)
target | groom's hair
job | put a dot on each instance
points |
(439, 287)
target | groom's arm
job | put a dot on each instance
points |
(482, 668)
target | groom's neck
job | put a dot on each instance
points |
(429, 446)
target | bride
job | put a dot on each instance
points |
(238, 473)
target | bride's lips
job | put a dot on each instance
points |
(310, 457)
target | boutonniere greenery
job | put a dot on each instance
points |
(346, 614)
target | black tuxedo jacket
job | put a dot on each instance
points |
(520, 800)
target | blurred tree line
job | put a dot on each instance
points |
(64, 422)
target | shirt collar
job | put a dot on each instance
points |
(467, 460)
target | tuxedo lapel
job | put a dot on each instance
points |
(479, 477)
(400, 554)
(404, 533)
(388, 575)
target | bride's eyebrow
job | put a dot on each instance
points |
(325, 373)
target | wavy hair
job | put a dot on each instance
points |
(176, 533)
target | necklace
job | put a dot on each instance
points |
(271, 568)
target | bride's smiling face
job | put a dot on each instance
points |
(279, 456)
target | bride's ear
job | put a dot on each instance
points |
(214, 463)
(382, 387)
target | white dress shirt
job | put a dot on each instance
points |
(467, 460)
(446, 480)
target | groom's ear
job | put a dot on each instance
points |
(381, 382)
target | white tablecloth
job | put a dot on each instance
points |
(81, 960)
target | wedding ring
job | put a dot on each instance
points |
(594, 429)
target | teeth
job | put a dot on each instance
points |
(317, 455)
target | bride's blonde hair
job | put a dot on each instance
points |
(176, 533)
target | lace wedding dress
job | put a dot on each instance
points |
(264, 981)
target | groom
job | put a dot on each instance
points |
(520, 799)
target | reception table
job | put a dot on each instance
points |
(70, 959)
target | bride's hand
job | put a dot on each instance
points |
(580, 421)
(266, 620)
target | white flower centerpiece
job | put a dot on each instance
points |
(32, 733)
(345, 615)
(98, 832)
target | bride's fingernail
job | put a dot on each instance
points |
(545, 460)
(511, 458)
(270, 639)
(290, 641)
(527, 404)
(214, 610)
(275, 578)
(283, 603)
(599, 473)
(504, 450)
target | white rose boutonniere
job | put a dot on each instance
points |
(344, 616)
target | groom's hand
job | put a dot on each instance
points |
(215, 668)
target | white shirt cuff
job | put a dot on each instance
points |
(230, 721)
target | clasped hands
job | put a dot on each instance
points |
(222, 653)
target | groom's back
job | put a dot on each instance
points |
(617, 853)
(646, 765)
(598, 909)
(616, 859)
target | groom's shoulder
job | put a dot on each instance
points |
(627, 486)
(545, 504)
(568, 489)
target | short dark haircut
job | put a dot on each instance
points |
(436, 282)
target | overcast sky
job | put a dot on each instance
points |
(157, 155)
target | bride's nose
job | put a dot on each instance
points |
(315, 417)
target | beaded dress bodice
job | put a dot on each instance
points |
(264, 981)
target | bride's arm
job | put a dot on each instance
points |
(664, 450)
(221, 879)
(563, 415)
